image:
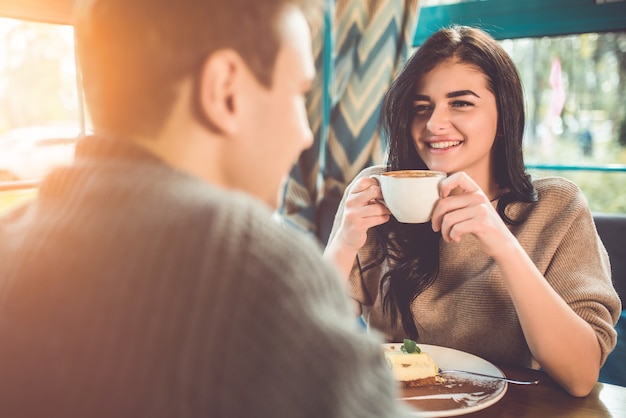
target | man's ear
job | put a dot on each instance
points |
(216, 90)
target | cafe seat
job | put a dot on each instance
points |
(612, 231)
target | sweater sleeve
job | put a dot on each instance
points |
(575, 261)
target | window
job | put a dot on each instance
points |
(38, 84)
(40, 111)
(576, 118)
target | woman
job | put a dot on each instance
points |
(509, 269)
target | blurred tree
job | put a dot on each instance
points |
(613, 46)
(39, 74)
(594, 75)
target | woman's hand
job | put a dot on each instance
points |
(465, 209)
(362, 210)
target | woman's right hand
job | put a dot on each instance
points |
(362, 210)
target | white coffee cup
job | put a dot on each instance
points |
(410, 195)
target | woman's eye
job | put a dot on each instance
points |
(420, 109)
(461, 103)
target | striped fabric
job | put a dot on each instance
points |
(359, 51)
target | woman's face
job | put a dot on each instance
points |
(455, 121)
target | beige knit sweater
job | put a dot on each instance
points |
(468, 306)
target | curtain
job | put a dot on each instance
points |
(359, 50)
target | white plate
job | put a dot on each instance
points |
(461, 393)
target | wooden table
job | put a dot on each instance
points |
(548, 399)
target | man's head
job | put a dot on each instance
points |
(133, 52)
(245, 63)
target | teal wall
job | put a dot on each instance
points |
(508, 19)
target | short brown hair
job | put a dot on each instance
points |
(132, 53)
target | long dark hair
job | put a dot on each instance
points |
(413, 250)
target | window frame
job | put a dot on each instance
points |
(511, 19)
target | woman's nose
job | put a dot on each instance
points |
(439, 119)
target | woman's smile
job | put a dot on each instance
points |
(443, 145)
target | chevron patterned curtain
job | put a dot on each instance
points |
(359, 49)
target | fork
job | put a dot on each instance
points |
(506, 379)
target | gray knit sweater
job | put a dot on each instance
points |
(468, 306)
(128, 289)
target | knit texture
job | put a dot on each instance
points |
(129, 289)
(468, 306)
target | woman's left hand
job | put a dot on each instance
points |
(464, 208)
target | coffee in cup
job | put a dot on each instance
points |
(410, 195)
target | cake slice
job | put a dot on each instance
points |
(410, 366)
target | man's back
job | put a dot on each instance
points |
(131, 289)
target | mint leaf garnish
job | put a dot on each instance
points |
(409, 347)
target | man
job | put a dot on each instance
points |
(148, 280)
